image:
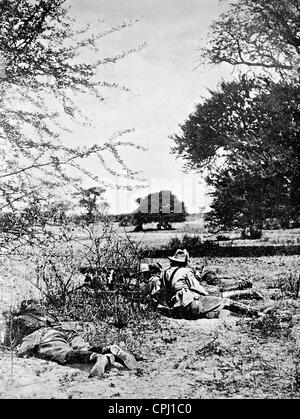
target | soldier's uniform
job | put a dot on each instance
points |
(186, 297)
(55, 342)
(36, 334)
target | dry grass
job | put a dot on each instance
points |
(156, 238)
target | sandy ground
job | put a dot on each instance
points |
(187, 359)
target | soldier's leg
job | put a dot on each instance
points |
(190, 312)
(210, 307)
(53, 346)
(203, 307)
(100, 362)
(237, 294)
(76, 341)
(80, 346)
(242, 284)
(239, 308)
(74, 356)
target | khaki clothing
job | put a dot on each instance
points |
(203, 307)
(52, 343)
(45, 337)
(181, 286)
(186, 297)
(28, 322)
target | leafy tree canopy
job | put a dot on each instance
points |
(261, 34)
(245, 134)
(246, 118)
(92, 201)
(246, 137)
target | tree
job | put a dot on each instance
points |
(261, 34)
(59, 210)
(44, 63)
(93, 202)
(243, 198)
(245, 136)
(161, 207)
(46, 67)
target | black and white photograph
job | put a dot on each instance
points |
(149, 202)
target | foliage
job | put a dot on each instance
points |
(253, 232)
(289, 284)
(57, 274)
(277, 323)
(245, 134)
(94, 278)
(190, 243)
(249, 126)
(93, 203)
(260, 34)
(132, 335)
(49, 62)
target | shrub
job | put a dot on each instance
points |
(186, 242)
(190, 242)
(173, 243)
(85, 272)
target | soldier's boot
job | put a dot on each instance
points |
(101, 364)
(97, 349)
(78, 357)
(121, 356)
(240, 308)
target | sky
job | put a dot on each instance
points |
(164, 89)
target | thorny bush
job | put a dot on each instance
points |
(91, 273)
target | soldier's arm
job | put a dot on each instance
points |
(29, 344)
(194, 283)
(25, 349)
